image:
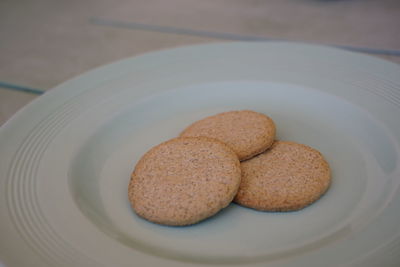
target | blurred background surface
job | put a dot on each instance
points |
(45, 42)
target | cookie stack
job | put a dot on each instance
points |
(231, 156)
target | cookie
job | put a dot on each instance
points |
(247, 132)
(286, 177)
(184, 180)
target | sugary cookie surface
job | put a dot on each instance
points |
(286, 177)
(184, 180)
(247, 132)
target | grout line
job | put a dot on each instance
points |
(175, 30)
(20, 88)
(377, 51)
(224, 36)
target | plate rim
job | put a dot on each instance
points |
(61, 90)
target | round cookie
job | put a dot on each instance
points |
(184, 180)
(247, 132)
(286, 177)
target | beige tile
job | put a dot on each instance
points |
(362, 23)
(50, 43)
(76, 52)
(11, 102)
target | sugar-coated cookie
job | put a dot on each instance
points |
(286, 177)
(247, 132)
(184, 180)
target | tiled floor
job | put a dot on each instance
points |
(46, 42)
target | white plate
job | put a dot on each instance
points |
(66, 160)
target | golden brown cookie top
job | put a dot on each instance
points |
(288, 176)
(247, 132)
(184, 180)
